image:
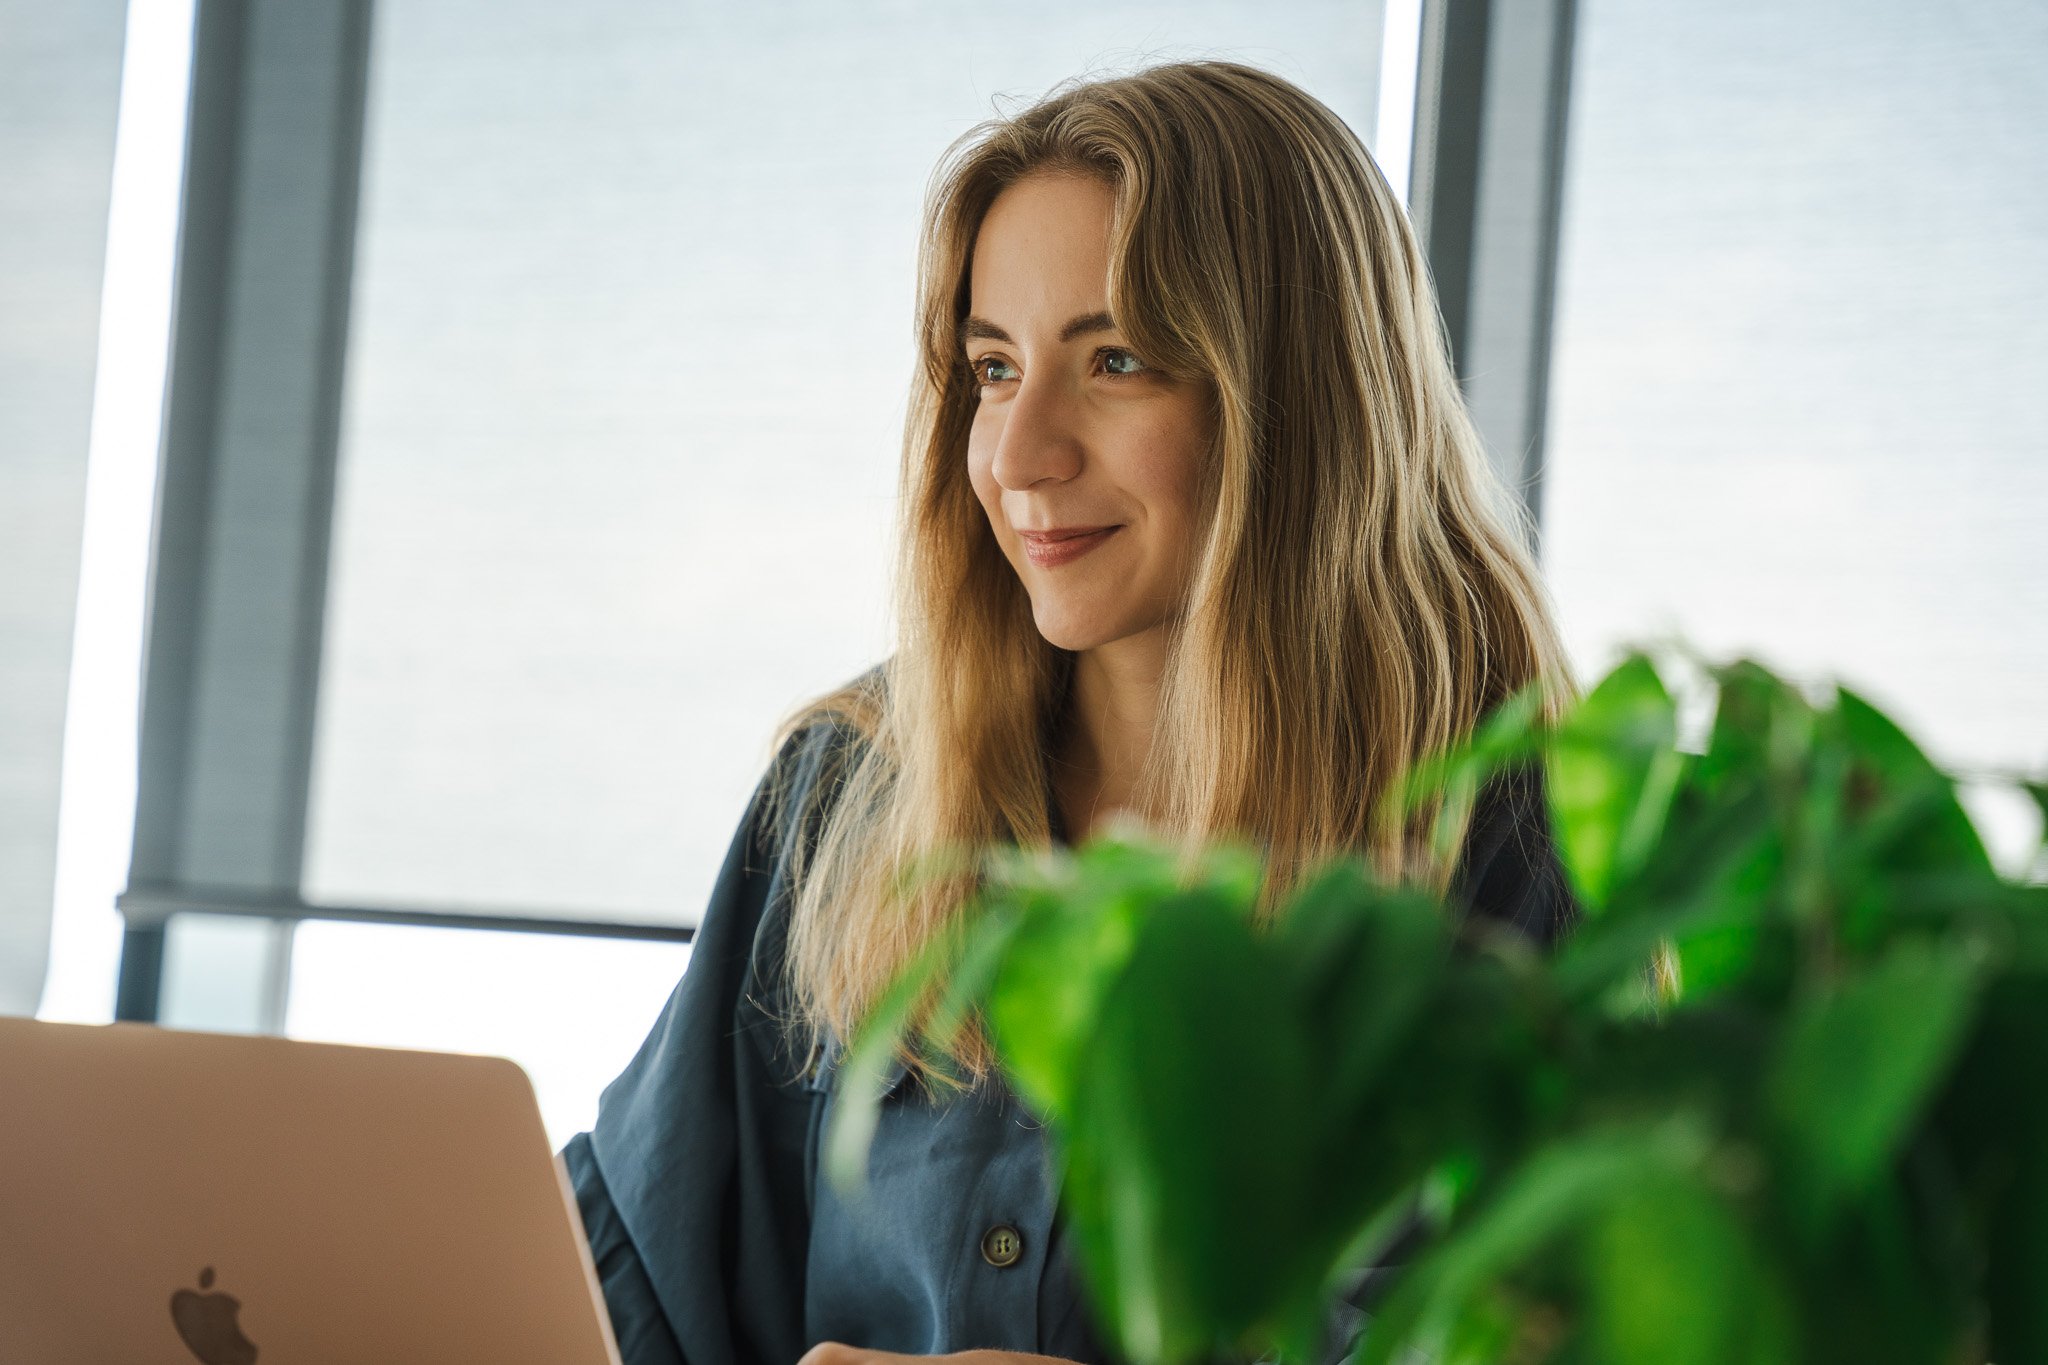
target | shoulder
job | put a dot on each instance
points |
(815, 753)
(1509, 871)
(815, 757)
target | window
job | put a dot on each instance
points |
(628, 352)
(1797, 405)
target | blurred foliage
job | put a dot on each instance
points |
(1830, 1143)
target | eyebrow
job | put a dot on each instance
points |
(1088, 322)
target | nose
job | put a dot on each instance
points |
(1040, 440)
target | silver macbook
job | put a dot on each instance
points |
(170, 1197)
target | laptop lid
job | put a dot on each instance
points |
(169, 1197)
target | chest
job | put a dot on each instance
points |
(955, 1243)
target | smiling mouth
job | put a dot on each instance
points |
(1049, 549)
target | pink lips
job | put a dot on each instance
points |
(1063, 544)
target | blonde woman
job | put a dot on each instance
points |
(1195, 527)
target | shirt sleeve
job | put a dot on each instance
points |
(637, 1319)
(1508, 871)
(693, 1183)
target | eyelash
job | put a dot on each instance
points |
(975, 368)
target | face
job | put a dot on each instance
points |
(1086, 460)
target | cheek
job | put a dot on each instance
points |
(1170, 477)
(982, 439)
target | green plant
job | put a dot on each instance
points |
(1829, 1144)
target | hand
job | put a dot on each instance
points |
(837, 1353)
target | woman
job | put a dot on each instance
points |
(1196, 526)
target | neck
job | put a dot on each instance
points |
(1112, 711)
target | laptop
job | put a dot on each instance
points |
(169, 1197)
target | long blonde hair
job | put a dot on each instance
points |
(1366, 591)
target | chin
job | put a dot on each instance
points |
(1075, 631)
(1061, 633)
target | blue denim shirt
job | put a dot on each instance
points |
(717, 1243)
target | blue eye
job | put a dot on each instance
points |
(982, 368)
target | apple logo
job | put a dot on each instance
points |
(207, 1323)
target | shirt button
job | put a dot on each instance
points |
(1001, 1245)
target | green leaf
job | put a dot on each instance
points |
(1610, 771)
(1715, 872)
(1193, 1106)
(1487, 1329)
(1762, 726)
(1366, 966)
(1994, 1125)
(1891, 774)
(1856, 1066)
(1363, 960)
(1556, 1191)
(1878, 1287)
(1675, 1280)
(1061, 961)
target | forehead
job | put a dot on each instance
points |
(1042, 254)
